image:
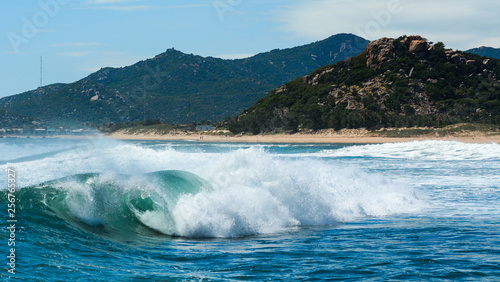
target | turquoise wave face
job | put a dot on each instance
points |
(115, 206)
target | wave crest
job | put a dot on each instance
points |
(236, 193)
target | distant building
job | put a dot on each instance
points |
(40, 131)
(204, 127)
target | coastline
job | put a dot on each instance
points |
(357, 136)
(322, 137)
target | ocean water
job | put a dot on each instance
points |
(99, 209)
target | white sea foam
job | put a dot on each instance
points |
(254, 191)
(261, 194)
(427, 150)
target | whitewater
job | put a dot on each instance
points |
(100, 209)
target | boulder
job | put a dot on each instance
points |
(407, 40)
(458, 58)
(381, 53)
(281, 89)
(417, 46)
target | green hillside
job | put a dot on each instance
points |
(177, 87)
(486, 52)
(400, 82)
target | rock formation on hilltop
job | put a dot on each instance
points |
(416, 44)
(382, 52)
(400, 82)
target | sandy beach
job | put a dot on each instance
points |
(345, 136)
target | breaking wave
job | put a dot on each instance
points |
(238, 193)
(426, 150)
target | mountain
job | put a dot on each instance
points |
(12, 120)
(400, 82)
(179, 87)
(486, 52)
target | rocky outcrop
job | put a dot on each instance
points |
(458, 58)
(416, 44)
(381, 52)
(314, 80)
(281, 89)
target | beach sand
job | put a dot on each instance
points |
(326, 136)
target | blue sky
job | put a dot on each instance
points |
(78, 37)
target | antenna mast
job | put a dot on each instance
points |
(41, 71)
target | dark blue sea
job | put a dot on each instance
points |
(106, 210)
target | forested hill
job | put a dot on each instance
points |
(486, 51)
(400, 82)
(178, 86)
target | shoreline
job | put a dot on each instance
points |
(303, 138)
(319, 137)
